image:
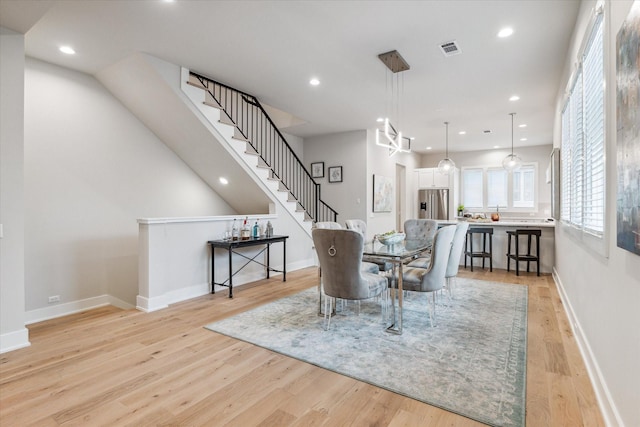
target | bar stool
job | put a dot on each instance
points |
(469, 252)
(518, 256)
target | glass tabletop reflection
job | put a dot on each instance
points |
(405, 249)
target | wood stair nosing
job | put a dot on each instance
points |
(198, 85)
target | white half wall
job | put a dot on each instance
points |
(175, 259)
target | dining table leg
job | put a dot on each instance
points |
(396, 322)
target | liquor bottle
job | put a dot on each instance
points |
(245, 232)
(269, 229)
(235, 233)
(255, 233)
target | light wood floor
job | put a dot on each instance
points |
(127, 368)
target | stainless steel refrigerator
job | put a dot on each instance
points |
(433, 204)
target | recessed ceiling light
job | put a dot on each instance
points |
(514, 98)
(314, 82)
(68, 50)
(496, 146)
(522, 126)
(462, 132)
(412, 138)
(505, 32)
(223, 180)
(523, 139)
(428, 148)
(379, 120)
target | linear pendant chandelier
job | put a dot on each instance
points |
(391, 137)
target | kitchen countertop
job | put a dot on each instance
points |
(507, 222)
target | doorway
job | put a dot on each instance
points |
(400, 196)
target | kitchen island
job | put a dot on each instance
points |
(500, 228)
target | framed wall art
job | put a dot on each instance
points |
(382, 193)
(628, 131)
(317, 170)
(335, 174)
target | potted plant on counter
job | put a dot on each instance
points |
(460, 210)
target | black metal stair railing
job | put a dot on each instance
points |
(257, 128)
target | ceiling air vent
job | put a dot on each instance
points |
(450, 48)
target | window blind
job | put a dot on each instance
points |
(565, 165)
(594, 132)
(583, 155)
(524, 187)
(472, 188)
(497, 190)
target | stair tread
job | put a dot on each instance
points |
(198, 85)
(211, 104)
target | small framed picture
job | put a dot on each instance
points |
(317, 170)
(335, 174)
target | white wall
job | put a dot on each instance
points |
(380, 163)
(603, 293)
(348, 150)
(91, 170)
(360, 159)
(13, 334)
(538, 154)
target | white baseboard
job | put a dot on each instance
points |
(605, 402)
(65, 309)
(14, 340)
(151, 304)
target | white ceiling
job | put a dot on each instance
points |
(272, 48)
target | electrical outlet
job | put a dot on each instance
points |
(54, 298)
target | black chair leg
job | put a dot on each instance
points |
(491, 253)
(538, 254)
(508, 252)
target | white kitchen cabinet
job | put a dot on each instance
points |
(431, 178)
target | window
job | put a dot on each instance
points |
(497, 190)
(472, 188)
(490, 187)
(582, 149)
(524, 185)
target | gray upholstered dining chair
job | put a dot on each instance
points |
(420, 229)
(457, 247)
(454, 257)
(340, 256)
(431, 279)
(369, 267)
(357, 225)
(331, 225)
(361, 227)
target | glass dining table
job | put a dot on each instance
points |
(398, 254)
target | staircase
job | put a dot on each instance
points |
(261, 144)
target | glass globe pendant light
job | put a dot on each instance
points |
(512, 162)
(446, 165)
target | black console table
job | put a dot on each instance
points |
(232, 245)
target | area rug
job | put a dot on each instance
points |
(472, 363)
